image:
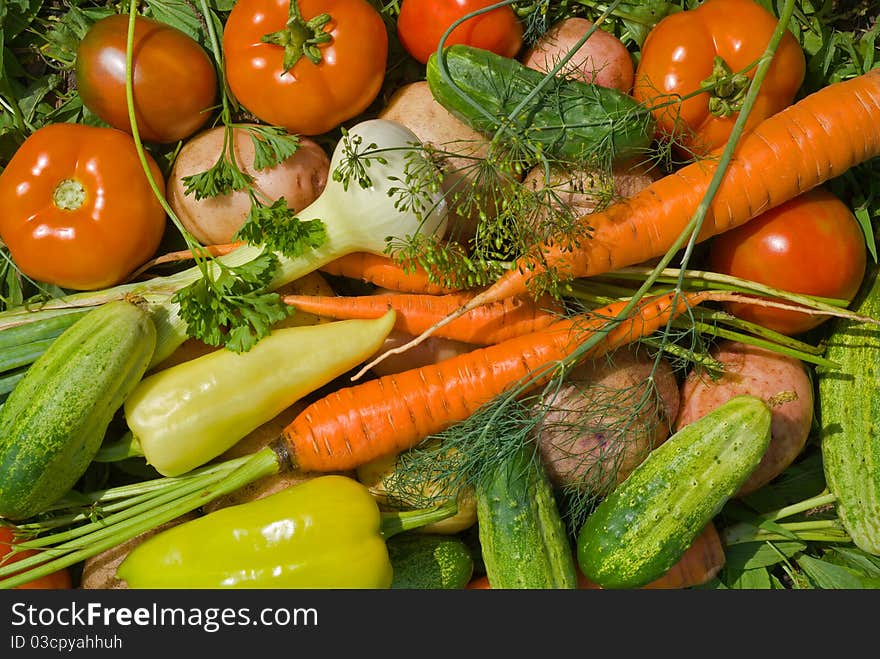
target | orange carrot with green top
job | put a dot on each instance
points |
(796, 150)
(485, 325)
(359, 423)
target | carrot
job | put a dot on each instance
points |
(488, 324)
(798, 149)
(383, 272)
(356, 424)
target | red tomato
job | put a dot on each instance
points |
(59, 580)
(174, 81)
(811, 244)
(679, 55)
(78, 210)
(337, 78)
(421, 24)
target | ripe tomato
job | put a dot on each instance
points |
(306, 65)
(59, 580)
(174, 82)
(680, 53)
(811, 244)
(421, 24)
(78, 210)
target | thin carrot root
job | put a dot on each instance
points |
(385, 273)
(486, 325)
(764, 302)
(796, 150)
(366, 421)
(184, 255)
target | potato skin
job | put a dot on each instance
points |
(765, 374)
(214, 220)
(602, 60)
(592, 436)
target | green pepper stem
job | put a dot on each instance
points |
(398, 522)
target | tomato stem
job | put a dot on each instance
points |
(729, 89)
(69, 195)
(300, 37)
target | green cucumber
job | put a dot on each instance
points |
(523, 539)
(429, 562)
(640, 530)
(569, 119)
(849, 417)
(54, 420)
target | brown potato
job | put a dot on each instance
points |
(99, 571)
(583, 191)
(605, 419)
(214, 220)
(766, 374)
(602, 60)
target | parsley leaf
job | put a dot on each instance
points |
(222, 178)
(237, 301)
(272, 145)
(278, 228)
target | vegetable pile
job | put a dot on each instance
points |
(439, 295)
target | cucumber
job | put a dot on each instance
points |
(849, 418)
(640, 530)
(523, 539)
(429, 562)
(569, 119)
(54, 420)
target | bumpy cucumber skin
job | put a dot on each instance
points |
(644, 526)
(55, 419)
(430, 562)
(523, 539)
(849, 413)
(571, 125)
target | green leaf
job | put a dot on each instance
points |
(751, 555)
(181, 15)
(829, 576)
(855, 559)
(278, 228)
(272, 145)
(233, 309)
(222, 178)
(757, 579)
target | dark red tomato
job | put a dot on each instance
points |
(174, 82)
(59, 580)
(811, 245)
(421, 24)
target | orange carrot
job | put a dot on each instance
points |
(488, 324)
(801, 147)
(363, 422)
(383, 272)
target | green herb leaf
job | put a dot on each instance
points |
(237, 301)
(828, 576)
(751, 555)
(272, 145)
(222, 178)
(756, 579)
(278, 228)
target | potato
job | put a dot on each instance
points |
(583, 191)
(99, 571)
(602, 60)
(214, 220)
(763, 373)
(414, 106)
(605, 419)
